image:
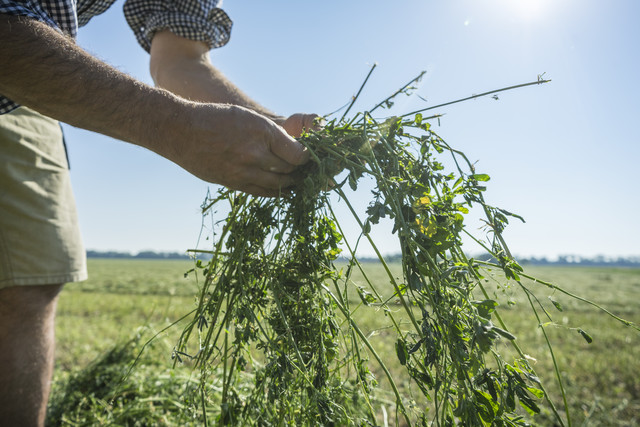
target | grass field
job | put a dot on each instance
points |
(133, 300)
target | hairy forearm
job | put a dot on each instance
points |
(202, 82)
(48, 72)
(182, 66)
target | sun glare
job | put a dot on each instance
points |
(514, 11)
(527, 9)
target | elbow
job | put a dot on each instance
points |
(156, 70)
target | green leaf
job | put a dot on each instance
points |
(510, 273)
(366, 297)
(536, 392)
(586, 336)
(530, 406)
(415, 281)
(485, 308)
(504, 333)
(463, 209)
(510, 401)
(401, 351)
(480, 177)
(353, 182)
(556, 304)
(526, 401)
(485, 405)
(506, 212)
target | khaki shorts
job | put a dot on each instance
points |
(40, 241)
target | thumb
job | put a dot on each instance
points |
(288, 149)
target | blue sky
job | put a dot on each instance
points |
(563, 155)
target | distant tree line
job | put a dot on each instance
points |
(139, 255)
(566, 260)
(599, 260)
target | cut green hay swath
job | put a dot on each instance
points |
(277, 323)
(108, 392)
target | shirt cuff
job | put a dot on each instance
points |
(192, 19)
(34, 10)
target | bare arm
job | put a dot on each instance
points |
(49, 73)
(225, 144)
(182, 66)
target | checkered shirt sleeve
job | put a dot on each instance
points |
(7, 105)
(60, 15)
(199, 20)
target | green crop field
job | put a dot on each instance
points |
(104, 323)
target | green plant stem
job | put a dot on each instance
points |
(365, 276)
(353, 101)
(344, 302)
(504, 246)
(491, 92)
(396, 93)
(366, 342)
(204, 407)
(516, 346)
(579, 298)
(555, 365)
(569, 294)
(401, 297)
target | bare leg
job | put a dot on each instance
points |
(27, 315)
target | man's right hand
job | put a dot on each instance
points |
(235, 147)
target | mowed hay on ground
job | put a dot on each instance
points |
(125, 298)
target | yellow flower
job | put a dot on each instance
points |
(424, 200)
(429, 230)
(420, 204)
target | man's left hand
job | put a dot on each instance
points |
(297, 123)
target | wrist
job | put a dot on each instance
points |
(163, 123)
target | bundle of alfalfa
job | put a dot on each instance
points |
(278, 332)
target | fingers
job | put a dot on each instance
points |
(248, 153)
(310, 121)
(273, 181)
(314, 122)
(274, 164)
(263, 160)
(288, 149)
(299, 122)
(267, 184)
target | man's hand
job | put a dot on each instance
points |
(255, 155)
(235, 147)
(299, 122)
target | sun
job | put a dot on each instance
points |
(528, 9)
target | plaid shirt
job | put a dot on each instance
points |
(199, 20)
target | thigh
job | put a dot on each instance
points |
(40, 241)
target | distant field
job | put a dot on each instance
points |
(125, 298)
